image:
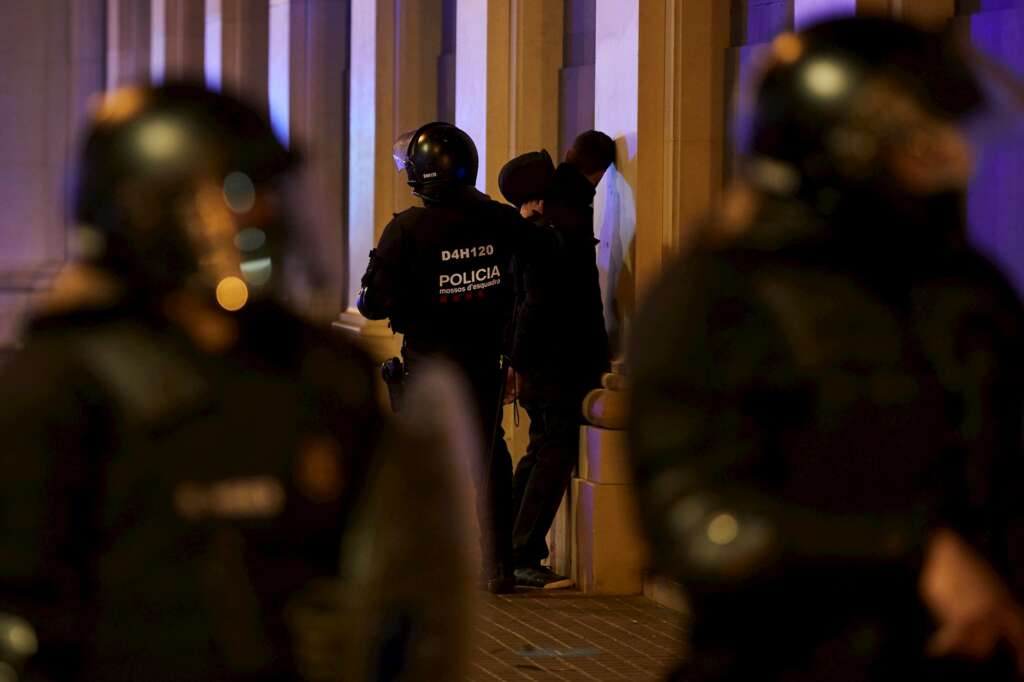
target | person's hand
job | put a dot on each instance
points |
(974, 609)
(511, 387)
(532, 208)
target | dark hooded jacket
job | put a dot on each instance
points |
(559, 342)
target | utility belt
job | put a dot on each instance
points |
(395, 371)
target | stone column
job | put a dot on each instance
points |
(682, 115)
(483, 83)
(925, 12)
(536, 65)
(370, 139)
(129, 29)
(53, 64)
(995, 202)
(616, 93)
(245, 26)
(317, 33)
(609, 554)
(508, 57)
(394, 88)
(577, 73)
(177, 35)
(806, 12)
(213, 37)
(415, 81)
(184, 38)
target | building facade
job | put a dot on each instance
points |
(343, 78)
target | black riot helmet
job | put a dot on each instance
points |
(436, 157)
(834, 96)
(178, 187)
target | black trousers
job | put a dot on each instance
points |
(494, 477)
(492, 471)
(544, 473)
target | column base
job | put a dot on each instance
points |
(373, 335)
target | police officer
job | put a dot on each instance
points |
(182, 454)
(560, 346)
(440, 274)
(811, 389)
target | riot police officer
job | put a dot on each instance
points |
(183, 454)
(440, 275)
(814, 397)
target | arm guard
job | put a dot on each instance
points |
(373, 301)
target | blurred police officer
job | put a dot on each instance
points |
(811, 385)
(182, 454)
(560, 346)
(440, 274)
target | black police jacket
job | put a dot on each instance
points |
(559, 341)
(441, 275)
(161, 509)
(808, 402)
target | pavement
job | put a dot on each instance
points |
(565, 635)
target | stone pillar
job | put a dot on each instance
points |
(682, 115)
(245, 39)
(925, 12)
(806, 12)
(995, 202)
(317, 34)
(536, 64)
(213, 37)
(53, 66)
(415, 81)
(279, 39)
(610, 553)
(577, 73)
(177, 35)
(393, 88)
(616, 93)
(129, 29)
(370, 139)
(483, 83)
(184, 38)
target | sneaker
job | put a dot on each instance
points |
(541, 577)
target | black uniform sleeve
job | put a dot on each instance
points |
(382, 294)
(47, 427)
(711, 369)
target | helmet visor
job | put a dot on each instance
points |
(400, 150)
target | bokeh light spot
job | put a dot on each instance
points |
(239, 192)
(232, 293)
(825, 79)
(787, 48)
(723, 529)
(160, 140)
(257, 271)
(250, 239)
